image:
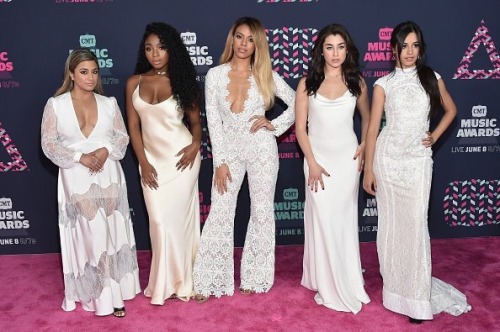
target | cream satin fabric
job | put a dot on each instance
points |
(173, 209)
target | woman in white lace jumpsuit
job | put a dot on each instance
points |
(398, 171)
(238, 92)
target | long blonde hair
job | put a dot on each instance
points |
(74, 59)
(261, 60)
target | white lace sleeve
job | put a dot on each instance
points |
(214, 120)
(285, 93)
(51, 143)
(118, 145)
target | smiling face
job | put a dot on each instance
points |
(243, 42)
(85, 76)
(410, 51)
(156, 52)
(334, 51)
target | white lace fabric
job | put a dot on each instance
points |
(243, 152)
(403, 169)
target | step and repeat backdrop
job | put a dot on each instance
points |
(463, 40)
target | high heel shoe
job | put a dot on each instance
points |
(200, 298)
(414, 320)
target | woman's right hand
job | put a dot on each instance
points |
(222, 175)
(91, 162)
(149, 177)
(316, 176)
(370, 183)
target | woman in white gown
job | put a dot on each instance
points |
(324, 107)
(238, 92)
(83, 133)
(398, 171)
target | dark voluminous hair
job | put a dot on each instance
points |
(180, 68)
(350, 67)
(425, 73)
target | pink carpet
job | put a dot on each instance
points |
(32, 291)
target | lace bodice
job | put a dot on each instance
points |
(222, 121)
(406, 110)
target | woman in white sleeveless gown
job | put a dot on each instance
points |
(325, 104)
(161, 93)
(398, 171)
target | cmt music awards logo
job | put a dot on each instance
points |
(291, 50)
(199, 54)
(370, 216)
(289, 212)
(102, 54)
(481, 38)
(13, 225)
(478, 133)
(287, 145)
(6, 68)
(472, 203)
(204, 208)
(378, 57)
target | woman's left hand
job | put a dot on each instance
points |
(101, 154)
(429, 140)
(188, 154)
(360, 155)
(260, 122)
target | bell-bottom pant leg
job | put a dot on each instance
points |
(214, 263)
(257, 266)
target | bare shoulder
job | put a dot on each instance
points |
(132, 82)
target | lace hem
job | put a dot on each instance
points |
(89, 285)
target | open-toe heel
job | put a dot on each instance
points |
(119, 312)
(199, 298)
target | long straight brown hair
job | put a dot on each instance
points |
(74, 59)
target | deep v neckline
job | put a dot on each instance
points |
(247, 98)
(78, 122)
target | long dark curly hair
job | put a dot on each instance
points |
(181, 70)
(350, 67)
(425, 73)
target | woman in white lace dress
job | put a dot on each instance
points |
(238, 93)
(398, 171)
(83, 133)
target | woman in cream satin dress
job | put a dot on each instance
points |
(161, 93)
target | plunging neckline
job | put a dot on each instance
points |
(247, 98)
(78, 122)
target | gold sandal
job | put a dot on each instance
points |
(200, 298)
(246, 291)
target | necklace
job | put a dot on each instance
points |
(335, 76)
(161, 72)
